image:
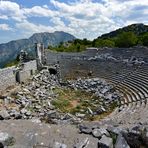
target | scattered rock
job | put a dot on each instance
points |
(52, 115)
(4, 115)
(114, 130)
(121, 142)
(15, 114)
(105, 142)
(85, 129)
(96, 133)
(35, 120)
(23, 111)
(98, 86)
(133, 139)
(79, 115)
(90, 111)
(6, 139)
(99, 132)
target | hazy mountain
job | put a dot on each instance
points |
(9, 51)
(135, 28)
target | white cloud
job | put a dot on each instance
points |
(12, 10)
(58, 21)
(39, 11)
(45, 6)
(32, 28)
(4, 17)
(83, 18)
(5, 27)
(145, 12)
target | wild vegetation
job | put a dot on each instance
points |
(76, 45)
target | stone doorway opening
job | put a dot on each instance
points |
(52, 71)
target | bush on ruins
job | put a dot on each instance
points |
(126, 39)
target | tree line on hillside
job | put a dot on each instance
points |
(124, 39)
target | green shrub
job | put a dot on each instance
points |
(126, 39)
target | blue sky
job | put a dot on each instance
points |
(82, 18)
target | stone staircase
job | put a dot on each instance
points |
(133, 105)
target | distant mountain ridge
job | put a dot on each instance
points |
(135, 28)
(9, 51)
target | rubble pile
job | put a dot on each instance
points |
(33, 100)
(133, 60)
(97, 86)
(110, 136)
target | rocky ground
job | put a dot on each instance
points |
(34, 134)
(30, 119)
(35, 98)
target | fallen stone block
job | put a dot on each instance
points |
(121, 142)
(6, 139)
(4, 115)
(85, 130)
(105, 142)
(133, 139)
(96, 133)
(99, 132)
(114, 130)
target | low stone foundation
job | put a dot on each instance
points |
(12, 75)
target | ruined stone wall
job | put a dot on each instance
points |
(7, 77)
(97, 62)
(28, 70)
(72, 68)
(10, 76)
(74, 65)
(54, 57)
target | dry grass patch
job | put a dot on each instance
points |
(79, 102)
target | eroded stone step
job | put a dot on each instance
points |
(139, 89)
(126, 93)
